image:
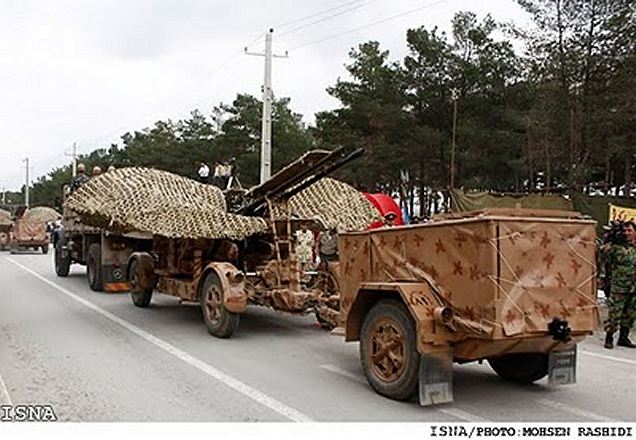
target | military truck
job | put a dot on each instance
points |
(28, 233)
(513, 287)
(104, 254)
(5, 229)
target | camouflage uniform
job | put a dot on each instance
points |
(622, 307)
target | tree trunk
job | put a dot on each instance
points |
(607, 177)
(548, 175)
(628, 175)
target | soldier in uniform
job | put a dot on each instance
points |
(304, 246)
(621, 259)
(80, 178)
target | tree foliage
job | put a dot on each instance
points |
(557, 114)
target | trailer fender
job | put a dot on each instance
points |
(148, 279)
(431, 317)
(233, 283)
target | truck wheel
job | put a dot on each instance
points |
(45, 249)
(388, 350)
(94, 267)
(219, 321)
(520, 367)
(140, 297)
(62, 264)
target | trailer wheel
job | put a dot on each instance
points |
(219, 321)
(62, 264)
(140, 297)
(45, 249)
(520, 367)
(388, 350)
(94, 267)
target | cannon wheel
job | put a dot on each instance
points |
(219, 321)
(94, 267)
(140, 297)
(520, 367)
(388, 350)
(62, 264)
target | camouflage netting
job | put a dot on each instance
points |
(158, 202)
(161, 203)
(334, 204)
(5, 218)
(41, 214)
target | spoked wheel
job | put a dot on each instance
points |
(388, 350)
(140, 296)
(219, 321)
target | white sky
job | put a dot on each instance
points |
(87, 71)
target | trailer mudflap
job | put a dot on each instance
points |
(562, 366)
(436, 377)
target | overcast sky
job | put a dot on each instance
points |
(88, 71)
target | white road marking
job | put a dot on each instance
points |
(453, 412)
(226, 379)
(586, 415)
(610, 358)
(5, 399)
(345, 373)
(462, 415)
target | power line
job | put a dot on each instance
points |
(328, 17)
(393, 17)
(307, 17)
(214, 72)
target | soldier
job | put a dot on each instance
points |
(96, 171)
(621, 258)
(304, 246)
(80, 178)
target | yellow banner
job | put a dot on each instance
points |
(621, 213)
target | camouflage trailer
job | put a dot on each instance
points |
(514, 287)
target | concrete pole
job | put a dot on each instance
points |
(74, 159)
(266, 137)
(26, 186)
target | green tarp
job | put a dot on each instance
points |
(474, 201)
(596, 207)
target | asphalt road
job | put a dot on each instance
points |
(96, 357)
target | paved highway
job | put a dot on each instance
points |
(96, 357)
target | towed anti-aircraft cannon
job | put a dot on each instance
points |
(225, 259)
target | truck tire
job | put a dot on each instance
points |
(520, 367)
(45, 249)
(94, 267)
(140, 296)
(62, 264)
(388, 350)
(219, 321)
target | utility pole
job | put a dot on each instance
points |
(26, 186)
(74, 156)
(4, 196)
(266, 130)
(454, 138)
